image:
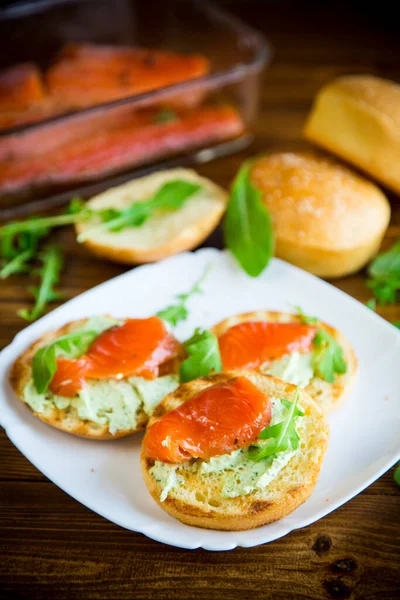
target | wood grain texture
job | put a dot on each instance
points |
(51, 547)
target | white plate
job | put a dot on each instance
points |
(105, 476)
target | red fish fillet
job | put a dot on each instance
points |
(87, 74)
(138, 347)
(249, 345)
(215, 421)
(86, 148)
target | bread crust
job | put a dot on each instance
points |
(190, 235)
(21, 373)
(317, 205)
(329, 396)
(357, 117)
(257, 508)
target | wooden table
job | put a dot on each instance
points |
(51, 547)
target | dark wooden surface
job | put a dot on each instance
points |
(51, 547)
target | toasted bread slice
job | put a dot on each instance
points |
(198, 501)
(161, 235)
(67, 419)
(328, 395)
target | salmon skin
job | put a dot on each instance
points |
(85, 148)
(217, 420)
(138, 347)
(89, 74)
(249, 345)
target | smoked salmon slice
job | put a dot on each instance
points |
(89, 74)
(84, 148)
(138, 347)
(217, 420)
(249, 345)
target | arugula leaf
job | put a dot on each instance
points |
(328, 357)
(397, 474)
(171, 196)
(204, 356)
(371, 303)
(165, 115)
(44, 363)
(384, 274)
(179, 312)
(20, 250)
(281, 436)
(248, 231)
(307, 320)
(52, 262)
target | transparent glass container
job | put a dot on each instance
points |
(35, 32)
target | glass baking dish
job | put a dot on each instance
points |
(35, 32)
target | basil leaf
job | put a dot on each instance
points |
(397, 324)
(248, 231)
(204, 356)
(175, 313)
(44, 363)
(52, 263)
(281, 436)
(171, 196)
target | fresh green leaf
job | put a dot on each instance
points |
(20, 250)
(281, 436)
(384, 274)
(397, 474)
(52, 263)
(18, 264)
(248, 231)
(397, 324)
(37, 224)
(171, 196)
(44, 363)
(165, 115)
(371, 303)
(307, 320)
(328, 358)
(204, 356)
(175, 313)
(76, 206)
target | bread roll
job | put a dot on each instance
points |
(328, 220)
(358, 118)
(161, 235)
(198, 497)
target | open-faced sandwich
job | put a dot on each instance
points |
(234, 450)
(99, 378)
(298, 349)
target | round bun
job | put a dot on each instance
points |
(328, 396)
(327, 219)
(198, 501)
(357, 117)
(162, 235)
(67, 419)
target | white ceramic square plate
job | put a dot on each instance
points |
(106, 477)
